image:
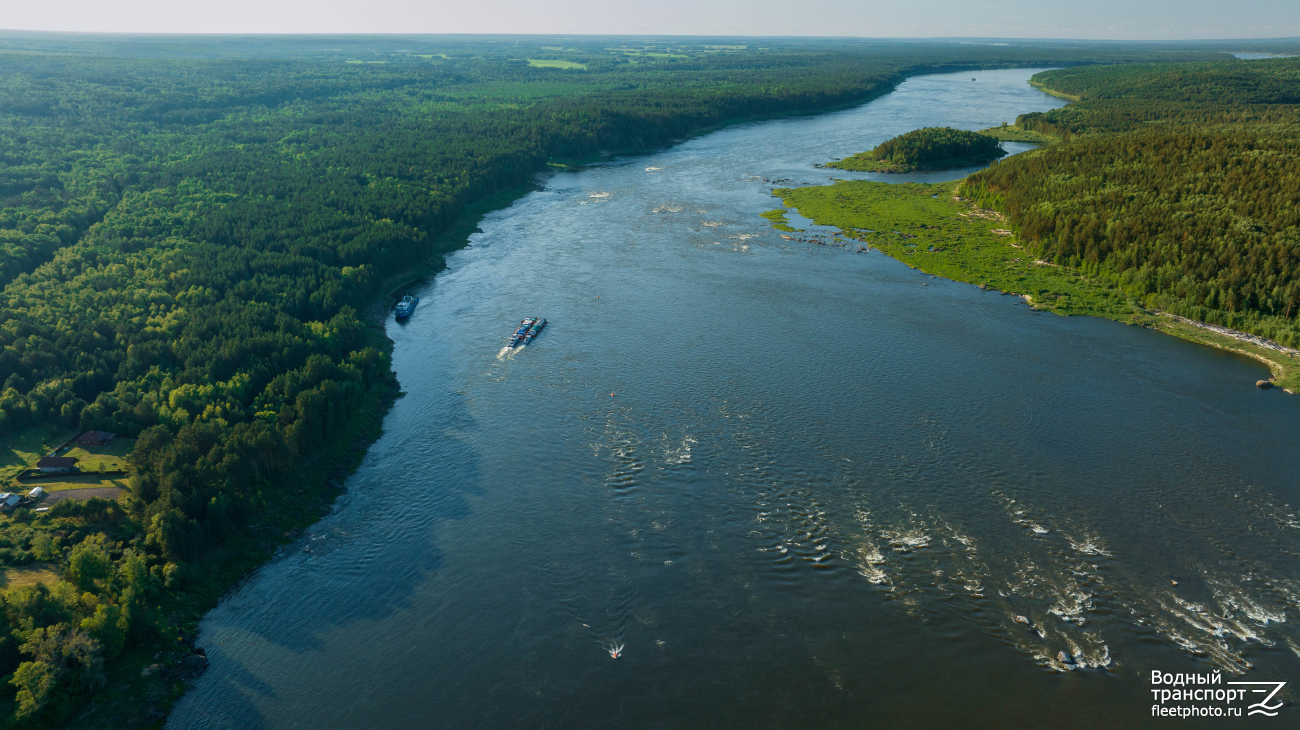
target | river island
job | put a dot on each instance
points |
(930, 148)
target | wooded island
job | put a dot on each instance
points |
(931, 148)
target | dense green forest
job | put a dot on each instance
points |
(1181, 182)
(193, 230)
(928, 148)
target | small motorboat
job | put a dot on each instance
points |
(406, 306)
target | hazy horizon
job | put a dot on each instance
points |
(1114, 20)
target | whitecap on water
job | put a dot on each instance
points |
(1070, 607)
(681, 454)
(904, 540)
(1087, 544)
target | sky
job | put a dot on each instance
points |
(1077, 19)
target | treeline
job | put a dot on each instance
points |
(1180, 182)
(1121, 98)
(187, 245)
(929, 147)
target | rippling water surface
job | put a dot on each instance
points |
(788, 485)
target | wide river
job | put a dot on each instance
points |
(788, 485)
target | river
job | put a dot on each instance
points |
(788, 485)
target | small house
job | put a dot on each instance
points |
(56, 464)
(36, 494)
(8, 500)
(95, 438)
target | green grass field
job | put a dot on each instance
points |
(20, 451)
(552, 63)
(111, 457)
(1012, 133)
(778, 219)
(87, 481)
(28, 575)
(929, 228)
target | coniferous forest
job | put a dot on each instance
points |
(194, 235)
(928, 148)
(1179, 181)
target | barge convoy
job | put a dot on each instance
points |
(528, 329)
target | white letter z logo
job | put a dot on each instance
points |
(1263, 707)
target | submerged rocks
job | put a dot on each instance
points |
(1263, 384)
(191, 666)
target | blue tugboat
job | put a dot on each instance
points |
(406, 306)
(521, 332)
(532, 331)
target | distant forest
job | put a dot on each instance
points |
(191, 231)
(1181, 182)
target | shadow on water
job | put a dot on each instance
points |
(329, 583)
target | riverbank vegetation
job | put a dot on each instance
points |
(1015, 133)
(931, 148)
(194, 233)
(778, 220)
(1172, 191)
(1177, 181)
(933, 229)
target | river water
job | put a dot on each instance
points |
(791, 486)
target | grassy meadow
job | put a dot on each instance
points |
(85, 481)
(20, 450)
(1013, 133)
(110, 457)
(553, 63)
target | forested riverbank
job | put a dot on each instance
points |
(190, 245)
(1171, 189)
